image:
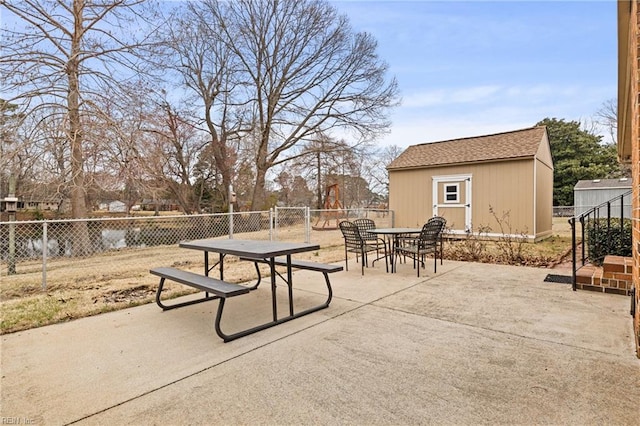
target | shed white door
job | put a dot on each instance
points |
(452, 200)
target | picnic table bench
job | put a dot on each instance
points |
(221, 290)
(324, 268)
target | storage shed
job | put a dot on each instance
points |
(588, 194)
(462, 179)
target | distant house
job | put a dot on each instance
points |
(462, 179)
(117, 207)
(588, 194)
(159, 205)
(33, 205)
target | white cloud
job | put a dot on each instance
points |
(450, 96)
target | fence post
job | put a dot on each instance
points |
(307, 225)
(11, 206)
(45, 244)
(271, 224)
(11, 266)
(231, 221)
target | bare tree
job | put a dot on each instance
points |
(119, 166)
(375, 168)
(9, 123)
(320, 157)
(607, 116)
(209, 70)
(65, 53)
(170, 154)
(33, 152)
(302, 71)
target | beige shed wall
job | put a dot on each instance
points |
(544, 201)
(506, 186)
(544, 152)
(544, 192)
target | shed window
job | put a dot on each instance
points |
(452, 193)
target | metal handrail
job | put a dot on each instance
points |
(592, 214)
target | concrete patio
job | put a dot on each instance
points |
(472, 344)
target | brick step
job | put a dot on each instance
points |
(615, 276)
(618, 264)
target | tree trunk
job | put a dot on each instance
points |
(262, 167)
(258, 199)
(81, 245)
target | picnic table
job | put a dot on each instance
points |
(273, 253)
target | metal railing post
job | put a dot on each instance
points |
(621, 218)
(572, 222)
(582, 240)
(602, 244)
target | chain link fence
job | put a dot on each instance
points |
(47, 249)
(563, 211)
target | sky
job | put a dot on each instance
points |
(470, 68)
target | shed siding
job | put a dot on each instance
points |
(544, 199)
(544, 152)
(586, 199)
(410, 196)
(506, 186)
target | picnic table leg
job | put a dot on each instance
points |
(290, 284)
(392, 243)
(255, 264)
(275, 321)
(274, 302)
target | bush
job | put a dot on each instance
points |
(608, 239)
(472, 248)
(510, 248)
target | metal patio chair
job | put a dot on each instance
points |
(428, 242)
(354, 243)
(365, 226)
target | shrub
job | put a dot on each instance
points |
(608, 238)
(510, 243)
(472, 248)
(511, 247)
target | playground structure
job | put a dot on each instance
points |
(333, 210)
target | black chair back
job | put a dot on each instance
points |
(352, 238)
(364, 226)
(432, 231)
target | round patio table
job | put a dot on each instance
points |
(392, 238)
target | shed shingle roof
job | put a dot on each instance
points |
(501, 146)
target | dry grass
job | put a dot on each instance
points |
(83, 287)
(115, 280)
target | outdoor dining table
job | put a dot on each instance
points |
(392, 235)
(266, 251)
